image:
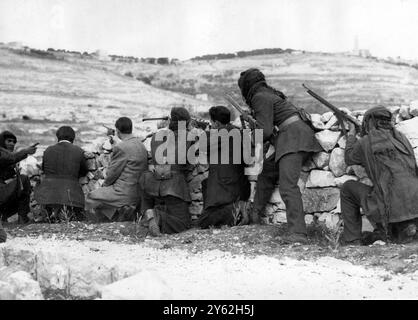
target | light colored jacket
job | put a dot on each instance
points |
(121, 186)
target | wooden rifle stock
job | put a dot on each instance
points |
(338, 113)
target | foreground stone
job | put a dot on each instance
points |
(219, 275)
(321, 159)
(337, 163)
(320, 200)
(341, 180)
(413, 108)
(6, 291)
(24, 287)
(331, 220)
(327, 139)
(410, 129)
(146, 285)
(320, 178)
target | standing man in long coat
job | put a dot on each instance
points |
(293, 144)
(392, 203)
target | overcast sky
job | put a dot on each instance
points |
(186, 28)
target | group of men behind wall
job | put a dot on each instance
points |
(161, 195)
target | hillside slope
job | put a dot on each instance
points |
(55, 92)
(349, 81)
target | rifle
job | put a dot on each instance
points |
(341, 116)
(199, 123)
(110, 131)
(244, 114)
(158, 118)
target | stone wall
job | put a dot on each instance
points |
(326, 171)
(322, 176)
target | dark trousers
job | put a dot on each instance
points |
(287, 172)
(3, 234)
(217, 216)
(173, 212)
(353, 194)
(19, 204)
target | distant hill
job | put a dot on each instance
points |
(51, 90)
(91, 89)
(350, 81)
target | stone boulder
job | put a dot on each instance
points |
(327, 139)
(321, 159)
(342, 142)
(146, 285)
(331, 220)
(277, 199)
(7, 291)
(366, 224)
(309, 219)
(320, 199)
(367, 181)
(410, 129)
(24, 287)
(326, 116)
(404, 112)
(331, 122)
(278, 216)
(413, 108)
(337, 163)
(341, 180)
(29, 166)
(316, 121)
(320, 179)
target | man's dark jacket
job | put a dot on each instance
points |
(271, 109)
(176, 185)
(7, 162)
(63, 164)
(390, 163)
(226, 182)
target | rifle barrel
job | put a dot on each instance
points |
(158, 118)
(332, 107)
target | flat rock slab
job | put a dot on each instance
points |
(220, 275)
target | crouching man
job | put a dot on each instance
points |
(392, 203)
(227, 188)
(165, 192)
(15, 188)
(121, 187)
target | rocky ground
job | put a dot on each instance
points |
(246, 262)
(250, 241)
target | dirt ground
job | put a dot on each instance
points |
(234, 263)
(249, 241)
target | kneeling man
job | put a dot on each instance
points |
(389, 160)
(120, 189)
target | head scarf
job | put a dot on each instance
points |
(252, 79)
(4, 136)
(382, 119)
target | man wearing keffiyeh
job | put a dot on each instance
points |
(392, 203)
